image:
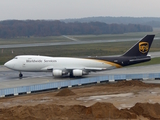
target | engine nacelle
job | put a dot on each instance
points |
(77, 73)
(57, 73)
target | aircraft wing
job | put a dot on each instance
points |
(73, 68)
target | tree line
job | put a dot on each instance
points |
(42, 28)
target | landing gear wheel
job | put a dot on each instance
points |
(20, 75)
(71, 75)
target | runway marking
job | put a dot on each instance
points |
(69, 38)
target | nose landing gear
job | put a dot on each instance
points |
(20, 75)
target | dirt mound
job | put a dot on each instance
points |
(38, 112)
(131, 83)
(78, 112)
(108, 110)
(151, 111)
(65, 92)
(58, 112)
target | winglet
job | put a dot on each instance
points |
(141, 48)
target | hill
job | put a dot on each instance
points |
(151, 21)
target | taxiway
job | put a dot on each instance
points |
(10, 79)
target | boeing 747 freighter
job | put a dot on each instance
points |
(77, 67)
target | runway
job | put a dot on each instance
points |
(10, 79)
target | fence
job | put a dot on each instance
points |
(71, 83)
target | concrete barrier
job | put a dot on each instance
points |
(73, 83)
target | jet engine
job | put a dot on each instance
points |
(79, 73)
(57, 73)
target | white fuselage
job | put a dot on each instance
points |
(43, 63)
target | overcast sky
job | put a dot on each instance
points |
(62, 9)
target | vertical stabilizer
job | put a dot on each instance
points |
(141, 48)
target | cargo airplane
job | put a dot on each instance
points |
(77, 67)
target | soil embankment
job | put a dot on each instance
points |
(67, 105)
(78, 112)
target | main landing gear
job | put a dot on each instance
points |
(20, 75)
(71, 74)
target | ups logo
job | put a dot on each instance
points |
(143, 47)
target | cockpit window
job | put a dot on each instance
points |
(16, 58)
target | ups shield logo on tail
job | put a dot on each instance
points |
(143, 47)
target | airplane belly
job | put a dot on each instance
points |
(30, 68)
(82, 63)
(37, 67)
(99, 64)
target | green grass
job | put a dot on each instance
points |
(26, 40)
(151, 62)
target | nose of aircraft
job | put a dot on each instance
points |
(9, 64)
